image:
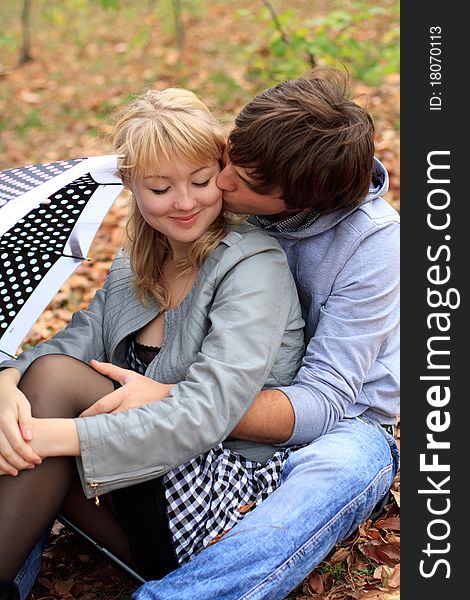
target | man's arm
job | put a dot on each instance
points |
(270, 419)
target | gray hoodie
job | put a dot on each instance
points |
(346, 267)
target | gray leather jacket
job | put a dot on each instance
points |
(239, 329)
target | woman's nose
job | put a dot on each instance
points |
(186, 200)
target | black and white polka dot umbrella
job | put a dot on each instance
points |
(49, 215)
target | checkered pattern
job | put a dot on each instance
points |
(209, 495)
(134, 362)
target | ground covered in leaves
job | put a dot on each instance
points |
(87, 61)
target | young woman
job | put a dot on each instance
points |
(207, 309)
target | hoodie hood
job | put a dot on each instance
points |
(378, 187)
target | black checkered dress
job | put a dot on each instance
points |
(211, 493)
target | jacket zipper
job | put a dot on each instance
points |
(94, 486)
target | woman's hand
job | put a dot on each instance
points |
(16, 426)
(136, 390)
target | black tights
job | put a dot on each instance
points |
(59, 386)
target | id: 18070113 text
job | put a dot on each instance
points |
(435, 67)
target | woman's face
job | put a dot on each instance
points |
(181, 201)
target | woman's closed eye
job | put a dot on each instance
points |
(203, 183)
(163, 191)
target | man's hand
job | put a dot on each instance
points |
(136, 390)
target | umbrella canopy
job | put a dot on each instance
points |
(49, 215)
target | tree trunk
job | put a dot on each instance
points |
(25, 55)
(179, 28)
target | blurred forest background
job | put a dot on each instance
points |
(65, 65)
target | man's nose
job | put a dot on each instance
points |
(225, 179)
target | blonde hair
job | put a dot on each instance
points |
(172, 125)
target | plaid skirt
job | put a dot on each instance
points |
(210, 494)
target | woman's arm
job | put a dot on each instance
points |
(55, 437)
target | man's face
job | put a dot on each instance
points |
(239, 198)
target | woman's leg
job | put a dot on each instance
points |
(56, 386)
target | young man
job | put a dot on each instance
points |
(301, 158)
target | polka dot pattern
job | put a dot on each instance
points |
(14, 182)
(30, 248)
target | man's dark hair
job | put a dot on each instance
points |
(306, 141)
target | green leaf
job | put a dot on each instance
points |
(113, 4)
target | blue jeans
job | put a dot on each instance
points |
(328, 489)
(30, 570)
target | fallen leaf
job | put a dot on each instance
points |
(339, 555)
(246, 507)
(380, 552)
(380, 595)
(389, 523)
(217, 537)
(396, 495)
(315, 583)
(394, 580)
(64, 587)
(29, 97)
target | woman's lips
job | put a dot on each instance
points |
(186, 221)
